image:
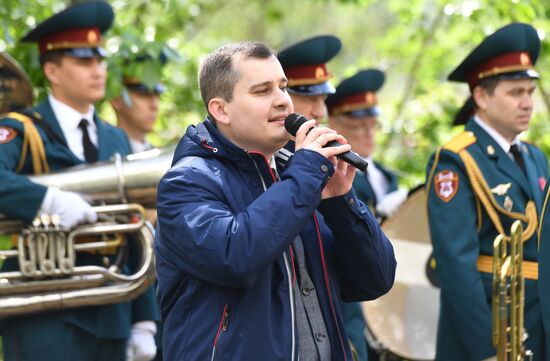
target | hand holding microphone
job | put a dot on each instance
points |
(326, 138)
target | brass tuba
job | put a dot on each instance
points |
(509, 297)
(48, 277)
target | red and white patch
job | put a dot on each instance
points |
(542, 183)
(446, 185)
(7, 134)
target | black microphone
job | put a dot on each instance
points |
(294, 121)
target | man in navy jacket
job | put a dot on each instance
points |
(253, 260)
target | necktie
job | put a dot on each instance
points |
(514, 149)
(90, 151)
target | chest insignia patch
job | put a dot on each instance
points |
(7, 134)
(446, 185)
(501, 189)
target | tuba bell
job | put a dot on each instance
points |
(48, 277)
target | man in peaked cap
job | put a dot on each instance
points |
(67, 131)
(353, 112)
(304, 64)
(137, 106)
(478, 184)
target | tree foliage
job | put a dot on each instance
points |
(417, 42)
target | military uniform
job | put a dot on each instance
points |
(364, 189)
(136, 71)
(544, 266)
(356, 97)
(87, 333)
(476, 190)
(305, 66)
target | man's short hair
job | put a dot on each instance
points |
(488, 85)
(217, 76)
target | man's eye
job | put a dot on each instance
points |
(262, 91)
(284, 88)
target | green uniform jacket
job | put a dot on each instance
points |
(544, 266)
(363, 189)
(354, 321)
(461, 230)
(109, 321)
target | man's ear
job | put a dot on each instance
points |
(50, 70)
(480, 97)
(218, 108)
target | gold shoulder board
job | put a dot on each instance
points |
(461, 141)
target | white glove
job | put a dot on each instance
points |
(71, 208)
(391, 202)
(141, 344)
(494, 358)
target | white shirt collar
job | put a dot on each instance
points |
(504, 144)
(68, 120)
(138, 146)
(69, 117)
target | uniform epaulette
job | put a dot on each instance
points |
(460, 142)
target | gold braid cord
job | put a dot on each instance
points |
(31, 141)
(483, 193)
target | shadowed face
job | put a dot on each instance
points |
(310, 106)
(77, 82)
(508, 109)
(359, 131)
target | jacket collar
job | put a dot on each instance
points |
(502, 160)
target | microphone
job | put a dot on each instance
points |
(294, 121)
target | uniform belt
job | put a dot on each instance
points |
(530, 269)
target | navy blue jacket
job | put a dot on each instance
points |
(224, 260)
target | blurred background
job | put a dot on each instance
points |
(416, 42)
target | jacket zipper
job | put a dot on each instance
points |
(221, 328)
(287, 267)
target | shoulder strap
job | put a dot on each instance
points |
(460, 142)
(31, 142)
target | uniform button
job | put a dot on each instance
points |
(352, 202)
(306, 291)
(319, 337)
(106, 261)
(324, 168)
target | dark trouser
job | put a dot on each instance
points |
(54, 340)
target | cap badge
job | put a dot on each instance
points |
(92, 37)
(319, 73)
(369, 98)
(524, 59)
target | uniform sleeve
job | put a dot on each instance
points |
(453, 227)
(362, 252)
(19, 197)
